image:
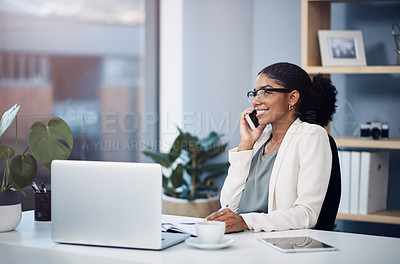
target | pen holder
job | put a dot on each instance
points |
(42, 206)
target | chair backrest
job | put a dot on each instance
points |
(327, 216)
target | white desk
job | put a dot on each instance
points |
(31, 243)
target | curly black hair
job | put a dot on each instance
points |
(317, 97)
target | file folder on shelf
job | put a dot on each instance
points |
(374, 172)
(345, 167)
(355, 181)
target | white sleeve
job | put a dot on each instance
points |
(232, 189)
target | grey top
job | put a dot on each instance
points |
(255, 193)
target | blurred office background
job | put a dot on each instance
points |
(125, 73)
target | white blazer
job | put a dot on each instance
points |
(298, 182)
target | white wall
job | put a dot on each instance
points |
(225, 43)
(276, 33)
(216, 65)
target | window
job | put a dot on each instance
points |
(84, 61)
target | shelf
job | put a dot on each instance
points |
(357, 142)
(384, 217)
(352, 69)
(316, 15)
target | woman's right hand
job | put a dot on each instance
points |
(248, 136)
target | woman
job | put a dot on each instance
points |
(279, 175)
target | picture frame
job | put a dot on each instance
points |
(341, 48)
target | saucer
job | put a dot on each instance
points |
(195, 242)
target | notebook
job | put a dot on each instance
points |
(115, 204)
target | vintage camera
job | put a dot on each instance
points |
(375, 130)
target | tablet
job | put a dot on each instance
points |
(296, 244)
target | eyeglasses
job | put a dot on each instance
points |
(262, 93)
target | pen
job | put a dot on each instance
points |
(43, 187)
(35, 187)
(182, 223)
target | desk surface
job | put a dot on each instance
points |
(31, 243)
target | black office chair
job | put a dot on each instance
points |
(330, 205)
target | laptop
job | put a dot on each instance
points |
(116, 204)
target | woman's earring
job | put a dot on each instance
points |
(290, 107)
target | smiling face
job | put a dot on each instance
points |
(275, 108)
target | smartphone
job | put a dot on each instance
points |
(252, 119)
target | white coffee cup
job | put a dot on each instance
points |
(210, 232)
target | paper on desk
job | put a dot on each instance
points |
(182, 225)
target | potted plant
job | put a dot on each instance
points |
(46, 143)
(188, 178)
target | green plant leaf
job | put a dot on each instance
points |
(215, 175)
(176, 147)
(6, 153)
(194, 154)
(8, 117)
(190, 143)
(23, 170)
(50, 142)
(167, 189)
(177, 177)
(216, 150)
(161, 158)
(213, 152)
(170, 191)
(193, 170)
(21, 190)
(208, 168)
(204, 187)
(208, 142)
(165, 181)
(214, 167)
(185, 194)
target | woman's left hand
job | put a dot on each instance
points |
(233, 222)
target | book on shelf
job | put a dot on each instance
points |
(345, 167)
(354, 181)
(365, 178)
(374, 177)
